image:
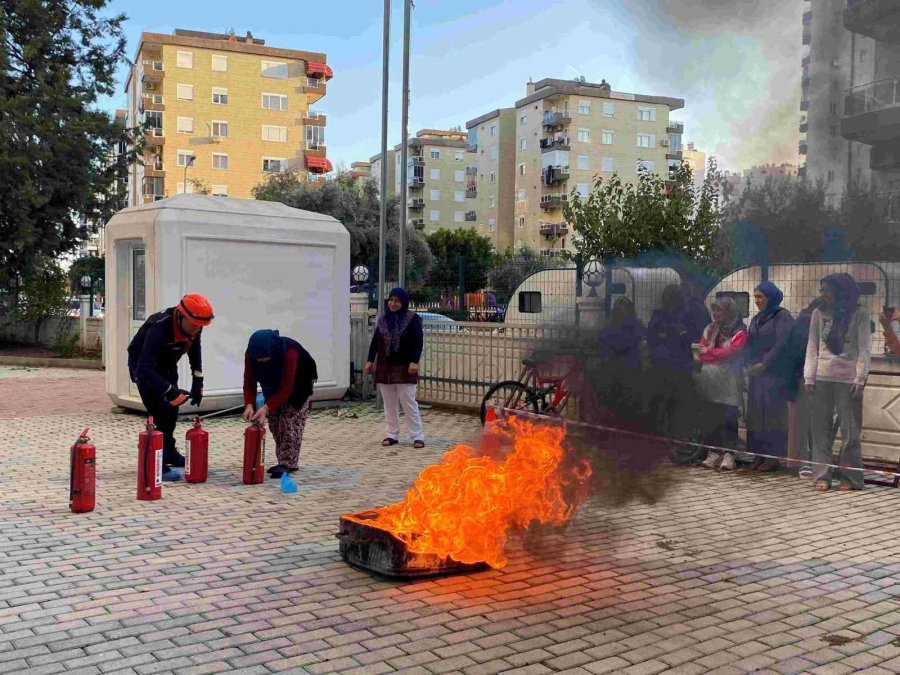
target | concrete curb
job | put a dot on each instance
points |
(50, 362)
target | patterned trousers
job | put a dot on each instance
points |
(287, 427)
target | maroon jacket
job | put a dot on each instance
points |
(394, 369)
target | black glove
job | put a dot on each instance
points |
(176, 396)
(196, 390)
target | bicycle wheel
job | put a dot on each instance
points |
(509, 394)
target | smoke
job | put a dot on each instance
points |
(737, 65)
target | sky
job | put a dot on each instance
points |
(735, 62)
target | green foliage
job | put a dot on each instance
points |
(93, 267)
(359, 210)
(60, 165)
(65, 342)
(511, 269)
(200, 186)
(450, 246)
(625, 220)
(44, 293)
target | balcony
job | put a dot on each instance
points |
(149, 199)
(154, 136)
(555, 143)
(676, 154)
(314, 118)
(803, 148)
(807, 35)
(553, 175)
(471, 170)
(316, 148)
(804, 127)
(885, 157)
(314, 87)
(554, 201)
(471, 192)
(471, 147)
(877, 19)
(471, 216)
(416, 182)
(553, 230)
(804, 105)
(154, 71)
(416, 204)
(154, 168)
(417, 160)
(872, 112)
(675, 128)
(554, 118)
(151, 102)
(417, 222)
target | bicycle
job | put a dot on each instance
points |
(529, 393)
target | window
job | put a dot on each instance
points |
(583, 162)
(493, 177)
(609, 109)
(523, 143)
(459, 216)
(584, 107)
(274, 133)
(493, 153)
(273, 164)
(434, 174)
(520, 195)
(434, 216)
(523, 118)
(584, 135)
(185, 59)
(582, 189)
(833, 130)
(646, 140)
(219, 96)
(606, 164)
(493, 130)
(459, 176)
(834, 108)
(459, 195)
(606, 137)
(184, 92)
(435, 154)
(220, 63)
(459, 155)
(492, 201)
(220, 160)
(185, 125)
(521, 169)
(831, 176)
(647, 165)
(646, 114)
(219, 128)
(529, 301)
(275, 69)
(180, 188)
(315, 137)
(185, 157)
(274, 102)
(492, 224)
(434, 195)
(219, 190)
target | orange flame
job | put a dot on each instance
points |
(466, 506)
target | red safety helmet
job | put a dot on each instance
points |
(196, 309)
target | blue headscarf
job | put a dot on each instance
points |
(392, 324)
(267, 344)
(773, 295)
(846, 299)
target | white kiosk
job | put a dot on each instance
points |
(261, 264)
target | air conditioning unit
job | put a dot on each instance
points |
(215, 139)
(148, 86)
(664, 143)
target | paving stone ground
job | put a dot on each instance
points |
(727, 574)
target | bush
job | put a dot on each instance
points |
(65, 343)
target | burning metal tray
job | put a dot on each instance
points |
(369, 547)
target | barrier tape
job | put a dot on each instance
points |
(704, 446)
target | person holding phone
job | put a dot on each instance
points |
(891, 341)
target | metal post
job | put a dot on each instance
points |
(462, 282)
(404, 140)
(382, 224)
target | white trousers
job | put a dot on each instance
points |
(395, 395)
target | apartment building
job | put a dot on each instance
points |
(568, 133)
(490, 176)
(375, 169)
(696, 159)
(225, 110)
(360, 172)
(436, 175)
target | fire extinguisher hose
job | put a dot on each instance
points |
(82, 439)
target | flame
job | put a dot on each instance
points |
(466, 506)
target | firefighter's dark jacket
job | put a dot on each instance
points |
(154, 353)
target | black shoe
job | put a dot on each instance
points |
(276, 471)
(176, 459)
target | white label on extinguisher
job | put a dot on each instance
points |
(187, 455)
(159, 467)
(263, 453)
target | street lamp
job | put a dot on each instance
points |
(360, 274)
(592, 275)
(189, 162)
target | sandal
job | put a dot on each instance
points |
(419, 444)
(846, 487)
(388, 442)
(822, 486)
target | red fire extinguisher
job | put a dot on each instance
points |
(150, 462)
(82, 475)
(196, 456)
(254, 453)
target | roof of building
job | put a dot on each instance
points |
(439, 137)
(360, 165)
(552, 87)
(484, 118)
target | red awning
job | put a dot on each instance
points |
(318, 164)
(318, 68)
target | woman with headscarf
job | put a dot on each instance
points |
(620, 338)
(396, 349)
(769, 378)
(799, 442)
(286, 372)
(720, 381)
(836, 369)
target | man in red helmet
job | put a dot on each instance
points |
(153, 357)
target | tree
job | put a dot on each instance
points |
(201, 186)
(44, 293)
(359, 211)
(91, 266)
(449, 248)
(625, 220)
(58, 158)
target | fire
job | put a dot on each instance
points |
(466, 506)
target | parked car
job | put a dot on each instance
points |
(74, 308)
(433, 317)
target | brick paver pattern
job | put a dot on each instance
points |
(729, 573)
